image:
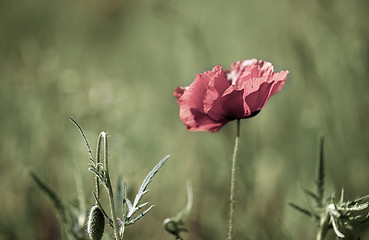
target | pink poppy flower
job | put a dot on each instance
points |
(217, 97)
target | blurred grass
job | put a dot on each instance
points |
(113, 66)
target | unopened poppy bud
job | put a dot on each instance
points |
(171, 226)
(96, 223)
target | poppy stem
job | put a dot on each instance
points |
(233, 177)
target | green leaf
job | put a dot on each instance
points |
(311, 194)
(81, 199)
(84, 138)
(119, 196)
(129, 205)
(300, 209)
(320, 173)
(342, 195)
(52, 196)
(140, 215)
(143, 187)
(360, 199)
(175, 225)
(365, 220)
(125, 202)
(182, 215)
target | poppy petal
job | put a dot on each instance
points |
(257, 99)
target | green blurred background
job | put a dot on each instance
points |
(113, 66)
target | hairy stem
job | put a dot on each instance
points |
(109, 188)
(97, 161)
(233, 177)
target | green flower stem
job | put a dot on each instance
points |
(233, 177)
(97, 161)
(109, 188)
(323, 226)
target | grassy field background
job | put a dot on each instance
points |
(113, 65)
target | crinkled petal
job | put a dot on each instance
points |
(265, 67)
(239, 65)
(257, 99)
(243, 67)
(280, 79)
(202, 122)
(233, 102)
(218, 83)
(199, 98)
(251, 80)
(238, 68)
(179, 92)
(193, 96)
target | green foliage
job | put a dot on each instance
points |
(114, 65)
(175, 225)
(133, 208)
(329, 213)
(97, 214)
(72, 224)
(303, 210)
(51, 194)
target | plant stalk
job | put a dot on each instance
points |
(323, 226)
(97, 161)
(109, 188)
(233, 177)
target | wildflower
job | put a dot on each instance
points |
(217, 97)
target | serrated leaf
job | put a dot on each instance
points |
(359, 207)
(143, 187)
(143, 205)
(311, 194)
(360, 199)
(300, 209)
(147, 180)
(140, 215)
(307, 203)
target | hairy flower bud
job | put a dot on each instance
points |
(96, 223)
